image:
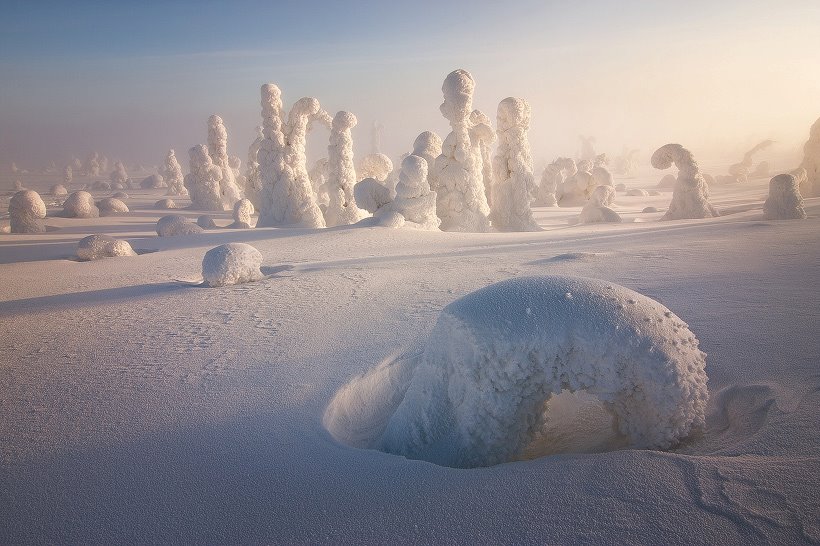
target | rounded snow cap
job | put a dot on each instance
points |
(513, 112)
(344, 120)
(233, 263)
(458, 90)
(427, 142)
(499, 360)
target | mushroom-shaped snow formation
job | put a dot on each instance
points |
(462, 201)
(242, 213)
(95, 247)
(176, 224)
(80, 204)
(287, 194)
(111, 206)
(414, 200)
(690, 198)
(341, 208)
(153, 182)
(26, 209)
(58, 190)
(810, 185)
(784, 201)
(233, 263)
(482, 391)
(597, 208)
(119, 175)
(165, 204)
(428, 146)
(514, 184)
(172, 173)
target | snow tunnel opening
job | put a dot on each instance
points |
(575, 422)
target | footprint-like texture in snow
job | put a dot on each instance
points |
(527, 366)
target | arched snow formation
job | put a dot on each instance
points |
(480, 392)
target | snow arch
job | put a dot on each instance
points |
(480, 391)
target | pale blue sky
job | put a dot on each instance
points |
(131, 79)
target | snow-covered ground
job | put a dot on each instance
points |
(137, 406)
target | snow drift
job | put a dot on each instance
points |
(232, 263)
(110, 206)
(482, 391)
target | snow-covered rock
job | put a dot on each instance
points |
(784, 201)
(26, 210)
(176, 224)
(80, 204)
(95, 247)
(232, 263)
(481, 391)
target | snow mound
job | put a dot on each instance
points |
(153, 182)
(206, 221)
(95, 247)
(597, 209)
(637, 192)
(242, 212)
(26, 209)
(233, 263)
(176, 224)
(784, 201)
(165, 204)
(80, 204)
(500, 360)
(110, 206)
(371, 195)
(58, 190)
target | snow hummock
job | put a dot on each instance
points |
(513, 185)
(206, 221)
(597, 209)
(690, 198)
(110, 206)
(341, 175)
(483, 389)
(176, 224)
(80, 204)
(99, 246)
(462, 202)
(153, 182)
(165, 203)
(172, 173)
(242, 212)
(58, 190)
(784, 201)
(26, 209)
(232, 263)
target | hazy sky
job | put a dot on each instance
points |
(132, 79)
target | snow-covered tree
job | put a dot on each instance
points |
(92, 165)
(242, 212)
(119, 178)
(218, 150)
(690, 198)
(514, 184)
(551, 180)
(376, 165)
(810, 186)
(202, 182)
(784, 201)
(68, 174)
(341, 209)
(414, 200)
(587, 148)
(172, 173)
(739, 172)
(482, 134)
(428, 146)
(462, 203)
(253, 182)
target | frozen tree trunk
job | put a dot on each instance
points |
(341, 209)
(287, 195)
(514, 186)
(172, 173)
(690, 198)
(462, 203)
(218, 150)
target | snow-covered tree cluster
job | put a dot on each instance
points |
(211, 182)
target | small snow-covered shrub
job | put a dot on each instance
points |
(176, 224)
(165, 204)
(119, 174)
(242, 212)
(120, 195)
(152, 182)
(233, 263)
(482, 391)
(26, 209)
(80, 204)
(172, 173)
(101, 185)
(110, 206)
(95, 247)
(784, 201)
(414, 201)
(371, 195)
(597, 209)
(58, 190)
(205, 221)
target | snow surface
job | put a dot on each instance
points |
(232, 263)
(138, 408)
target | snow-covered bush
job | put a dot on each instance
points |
(287, 194)
(26, 209)
(481, 392)
(95, 247)
(371, 195)
(203, 180)
(153, 182)
(165, 204)
(206, 221)
(428, 146)
(18, 186)
(341, 175)
(172, 173)
(58, 190)
(514, 184)
(810, 184)
(80, 204)
(597, 209)
(242, 213)
(376, 165)
(552, 180)
(690, 198)
(176, 224)
(233, 263)
(92, 166)
(575, 189)
(600, 174)
(119, 175)
(414, 200)
(462, 202)
(253, 183)
(110, 206)
(101, 185)
(120, 195)
(627, 163)
(784, 201)
(588, 152)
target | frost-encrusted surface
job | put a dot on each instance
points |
(496, 356)
(232, 263)
(95, 247)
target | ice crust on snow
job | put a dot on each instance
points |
(690, 198)
(95, 247)
(232, 263)
(176, 224)
(784, 201)
(480, 391)
(80, 204)
(513, 186)
(26, 210)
